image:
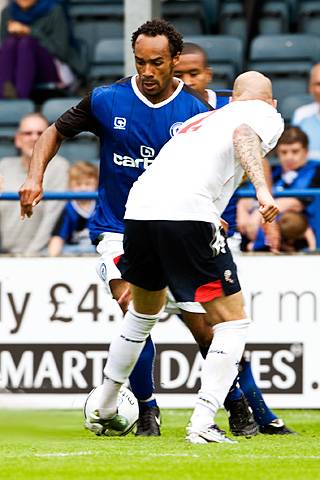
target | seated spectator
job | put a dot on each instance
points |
(71, 234)
(293, 172)
(307, 117)
(32, 236)
(295, 235)
(35, 47)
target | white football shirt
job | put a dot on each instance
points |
(196, 173)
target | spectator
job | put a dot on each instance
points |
(294, 228)
(35, 47)
(294, 171)
(29, 237)
(71, 234)
(307, 117)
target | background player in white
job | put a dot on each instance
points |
(175, 239)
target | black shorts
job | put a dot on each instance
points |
(192, 258)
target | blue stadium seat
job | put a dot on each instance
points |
(233, 20)
(309, 17)
(286, 59)
(211, 10)
(274, 18)
(289, 104)
(93, 23)
(108, 62)
(11, 112)
(81, 147)
(225, 56)
(54, 107)
(187, 16)
(7, 148)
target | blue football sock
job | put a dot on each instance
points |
(235, 393)
(261, 412)
(141, 378)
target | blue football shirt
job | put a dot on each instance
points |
(132, 130)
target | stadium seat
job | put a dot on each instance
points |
(81, 147)
(93, 23)
(274, 18)
(309, 17)
(211, 10)
(188, 17)
(108, 62)
(286, 59)
(233, 20)
(289, 104)
(11, 111)
(7, 148)
(225, 56)
(54, 107)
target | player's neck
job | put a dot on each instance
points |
(163, 95)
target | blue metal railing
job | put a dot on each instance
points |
(299, 193)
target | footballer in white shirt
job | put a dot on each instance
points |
(174, 239)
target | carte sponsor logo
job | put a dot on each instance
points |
(119, 123)
(147, 157)
(76, 368)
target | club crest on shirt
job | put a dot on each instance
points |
(119, 123)
(103, 272)
(174, 129)
(228, 276)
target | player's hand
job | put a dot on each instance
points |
(268, 207)
(17, 28)
(30, 195)
(225, 225)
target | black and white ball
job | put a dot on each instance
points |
(127, 407)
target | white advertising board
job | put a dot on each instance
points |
(56, 322)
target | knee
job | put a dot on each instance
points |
(26, 43)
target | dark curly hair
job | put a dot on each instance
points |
(155, 27)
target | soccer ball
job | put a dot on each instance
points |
(127, 407)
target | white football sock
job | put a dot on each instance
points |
(219, 370)
(123, 354)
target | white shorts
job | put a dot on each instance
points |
(110, 248)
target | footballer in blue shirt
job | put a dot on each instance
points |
(133, 119)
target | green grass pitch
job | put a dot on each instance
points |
(52, 445)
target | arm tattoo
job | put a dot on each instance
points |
(247, 150)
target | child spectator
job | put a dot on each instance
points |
(295, 235)
(294, 171)
(71, 234)
(35, 47)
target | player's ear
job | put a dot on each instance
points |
(209, 73)
(175, 60)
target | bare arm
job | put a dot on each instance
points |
(44, 150)
(248, 152)
(55, 246)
